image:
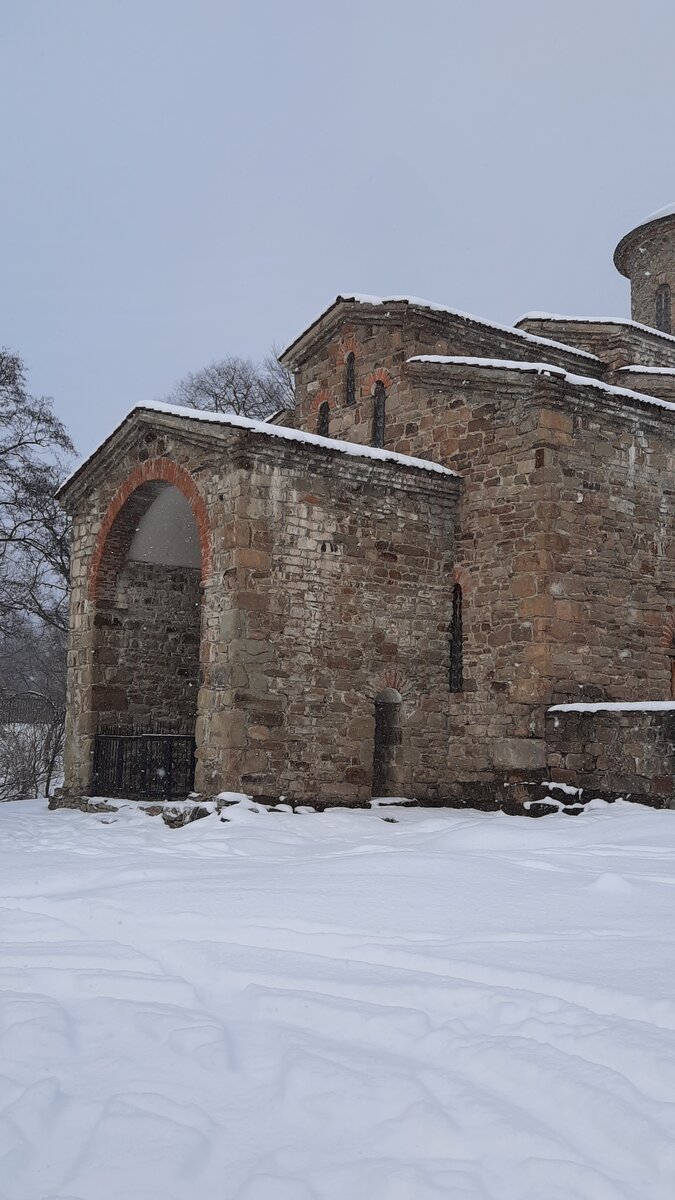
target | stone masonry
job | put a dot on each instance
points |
(154, 618)
(633, 753)
(537, 568)
(564, 551)
(323, 582)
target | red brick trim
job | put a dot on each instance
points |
(348, 345)
(378, 376)
(155, 469)
(668, 633)
(460, 576)
(393, 678)
(319, 399)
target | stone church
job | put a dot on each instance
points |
(448, 571)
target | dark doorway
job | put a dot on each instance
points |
(388, 737)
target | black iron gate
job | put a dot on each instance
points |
(141, 765)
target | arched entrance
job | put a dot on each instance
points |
(145, 584)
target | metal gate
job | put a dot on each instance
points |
(139, 765)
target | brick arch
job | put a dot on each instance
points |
(461, 576)
(378, 376)
(348, 345)
(141, 480)
(320, 398)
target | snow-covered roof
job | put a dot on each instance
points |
(355, 449)
(417, 302)
(668, 211)
(659, 215)
(618, 706)
(542, 316)
(628, 239)
(542, 369)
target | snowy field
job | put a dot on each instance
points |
(334, 1006)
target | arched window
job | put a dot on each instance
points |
(663, 320)
(456, 646)
(379, 403)
(350, 378)
(323, 421)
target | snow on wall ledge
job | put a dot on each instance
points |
(637, 369)
(505, 364)
(431, 306)
(618, 706)
(544, 316)
(418, 302)
(297, 435)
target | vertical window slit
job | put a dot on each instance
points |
(350, 378)
(456, 642)
(379, 402)
(323, 420)
(663, 318)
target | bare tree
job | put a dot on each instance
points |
(237, 385)
(31, 755)
(34, 550)
(32, 710)
(283, 379)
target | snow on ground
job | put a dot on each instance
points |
(337, 1006)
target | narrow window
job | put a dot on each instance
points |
(456, 647)
(350, 379)
(663, 321)
(323, 422)
(379, 401)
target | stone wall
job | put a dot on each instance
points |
(497, 429)
(147, 653)
(564, 550)
(338, 588)
(615, 752)
(324, 580)
(612, 587)
(327, 578)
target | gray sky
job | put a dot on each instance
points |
(189, 178)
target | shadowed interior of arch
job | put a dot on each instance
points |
(147, 621)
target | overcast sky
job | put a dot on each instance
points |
(183, 179)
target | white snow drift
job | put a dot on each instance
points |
(342, 1006)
